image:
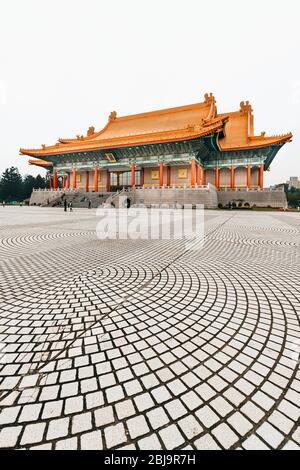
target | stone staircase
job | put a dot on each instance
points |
(44, 197)
(115, 199)
(79, 199)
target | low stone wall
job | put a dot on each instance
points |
(266, 198)
(206, 196)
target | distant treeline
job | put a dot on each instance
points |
(293, 196)
(14, 187)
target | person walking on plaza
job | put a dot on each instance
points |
(65, 205)
(71, 206)
(90, 204)
(3, 203)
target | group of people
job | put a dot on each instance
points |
(70, 205)
(66, 205)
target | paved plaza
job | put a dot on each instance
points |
(123, 344)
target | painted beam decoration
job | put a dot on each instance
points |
(183, 146)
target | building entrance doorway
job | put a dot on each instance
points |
(122, 180)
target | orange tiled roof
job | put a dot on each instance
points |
(41, 163)
(167, 125)
(239, 132)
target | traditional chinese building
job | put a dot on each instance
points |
(187, 146)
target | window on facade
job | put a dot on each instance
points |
(125, 179)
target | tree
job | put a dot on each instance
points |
(293, 196)
(11, 185)
(29, 182)
(40, 182)
(15, 188)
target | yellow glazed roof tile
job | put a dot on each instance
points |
(167, 125)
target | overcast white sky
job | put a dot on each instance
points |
(66, 64)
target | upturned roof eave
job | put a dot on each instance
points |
(67, 149)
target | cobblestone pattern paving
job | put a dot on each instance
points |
(141, 345)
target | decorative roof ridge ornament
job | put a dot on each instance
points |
(210, 99)
(112, 116)
(246, 107)
(90, 131)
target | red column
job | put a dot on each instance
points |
(249, 177)
(198, 175)
(217, 178)
(69, 181)
(96, 178)
(132, 175)
(261, 176)
(142, 177)
(74, 178)
(55, 182)
(169, 176)
(203, 177)
(107, 181)
(161, 174)
(51, 182)
(232, 177)
(87, 182)
(193, 173)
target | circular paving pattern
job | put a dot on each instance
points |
(144, 344)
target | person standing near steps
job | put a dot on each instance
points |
(65, 205)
